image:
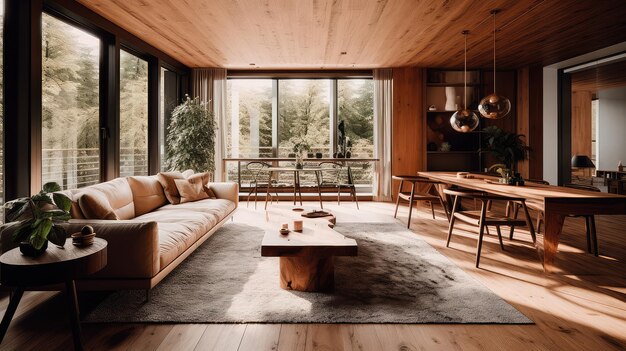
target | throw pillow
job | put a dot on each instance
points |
(95, 205)
(190, 190)
(210, 192)
(204, 178)
(169, 186)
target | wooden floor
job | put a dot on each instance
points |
(581, 308)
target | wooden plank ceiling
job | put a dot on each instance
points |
(299, 34)
(600, 78)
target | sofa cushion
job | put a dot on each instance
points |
(194, 221)
(95, 205)
(147, 193)
(216, 208)
(169, 186)
(119, 195)
(190, 190)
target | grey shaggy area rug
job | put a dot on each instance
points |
(396, 278)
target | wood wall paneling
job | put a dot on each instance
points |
(530, 118)
(408, 150)
(581, 123)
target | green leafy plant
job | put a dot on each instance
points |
(191, 137)
(39, 216)
(301, 146)
(506, 147)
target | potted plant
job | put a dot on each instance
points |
(299, 148)
(506, 147)
(38, 219)
(191, 137)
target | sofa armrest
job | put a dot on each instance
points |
(133, 246)
(226, 190)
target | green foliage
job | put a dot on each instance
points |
(39, 216)
(506, 147)
(191, 137)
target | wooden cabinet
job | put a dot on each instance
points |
(447, 149)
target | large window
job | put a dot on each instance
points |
(133, 115)
(70, 105)
(266, 117)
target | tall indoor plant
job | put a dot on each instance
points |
(38, 219)
(191, 137)
(506, 147)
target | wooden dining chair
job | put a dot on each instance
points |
(414, 196)
(332, 176)
(485, 218)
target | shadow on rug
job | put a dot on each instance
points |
(396, 278)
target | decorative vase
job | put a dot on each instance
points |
(450, 99)
(299, 161)
(28, 250)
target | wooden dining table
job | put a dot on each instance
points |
(556, 202)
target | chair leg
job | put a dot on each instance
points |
(588, 233)
(594, 237)
(539, 220)
(408, 223)
(356, 201)
(500, 237)
(481, 232)
(432, 209)
(338, 195)
(450, 227)
(398, 199)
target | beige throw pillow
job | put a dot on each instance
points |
(95, 205)
(169, 186)
(191, 190)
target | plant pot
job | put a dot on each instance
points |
(318, 155)
(28, 250)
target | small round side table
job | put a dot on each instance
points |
(56, 265)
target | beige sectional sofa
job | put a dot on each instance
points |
(151, 236)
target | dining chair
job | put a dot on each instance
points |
(590, 221)
(259, 174)
(414, 196)
(331, 176)
(485, 218)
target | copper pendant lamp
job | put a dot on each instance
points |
(494, 106)
(464, 120)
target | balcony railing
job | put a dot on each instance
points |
(362, 170)
(77, 168)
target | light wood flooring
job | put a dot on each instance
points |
(582, 307)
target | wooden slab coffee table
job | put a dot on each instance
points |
(306, 258)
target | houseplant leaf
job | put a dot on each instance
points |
(57, 235)
(62, 201)
(51, 187)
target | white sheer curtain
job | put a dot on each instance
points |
(209, 84)
(383, 100)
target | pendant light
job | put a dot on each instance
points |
(494, 106)
(464, 120)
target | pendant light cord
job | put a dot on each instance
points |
(465, 73)
(494, 52)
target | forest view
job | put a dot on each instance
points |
(71, 107)
(303, 114)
